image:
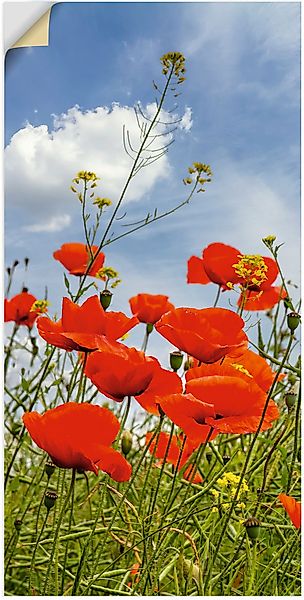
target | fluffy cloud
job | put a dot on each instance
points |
(40, 164)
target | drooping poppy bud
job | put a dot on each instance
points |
(176, 359)
(126, 442)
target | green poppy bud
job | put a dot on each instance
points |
(105, 299)
(176, 359)
(252, 528)
(50, 499)
(293, 320)
(126, 442)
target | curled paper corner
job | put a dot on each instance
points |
(38, 34)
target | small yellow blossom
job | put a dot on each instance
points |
(214, 509)
(252, 268)
(175, 63)
(101, 202)
(40, 306)
(215, 492)
(85, 176)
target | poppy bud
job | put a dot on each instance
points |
(18, 524)
(50, 499)
(49, 469)
(15, 263)
(176, 359)
(8, 270)
(149, 328)
(126, 442)
(226, 459)
(293, 320)
(252, 528)
(105, 299)
(290, 400)
(292, 378)
(26, 262)
(24, 289)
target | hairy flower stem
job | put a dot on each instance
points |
(57, 531)
(130, 176)
(67, 543)
(295, 443)
(9, 349)
(249, 454)
(217, 297)
(30, 589)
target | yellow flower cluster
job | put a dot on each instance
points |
(107, 273)
(40, 306)
(174, 61)
(197, 169)
(85, 176)
(252, 268)
(229, 483)
(102, 202)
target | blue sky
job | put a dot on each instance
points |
(242, 92)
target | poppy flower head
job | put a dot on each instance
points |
(81, 325)
(207, 334)
(79, 436)
(18, 309)
(215, 266)
(190, 414)
(163, 382)
(119, 371)
(149, 308)
(75, 257)
(237, 399)
(293, 509)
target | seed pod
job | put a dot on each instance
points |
(18, 524)
(149, 328)
(290, 400)
(105, 298)
(226, 459)
(176, 359)
(49, 468)
(50, 499)
(252, 528)
(293, 320)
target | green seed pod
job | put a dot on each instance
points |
(105, 298)
(176, 359)
(126, 442)
(252, 528)
(293, 320)
(49, 468)
(290, 400)
(50, 499)
(18, 524)
(149, 328)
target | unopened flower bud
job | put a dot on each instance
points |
(50, 499)
(176, 359)
(105, 298)
(290, 399)
(24, 289)
(26, 262)
(49, 469)
(293, 320)
(126, 442)
(18, 524)
(149, 328)
(15, 263)
(252, 528)
(8, 270)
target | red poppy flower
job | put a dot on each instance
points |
(190, 414)
(79, 325)
(263, 299)
(75, 257)
(293, 509)
(207, 334)
(163, 382)
(173, 454)
(237, 399)
(248, 366)
(215, 266)
(149, 308)
(119, 371)
(79, 436)
(18, 309)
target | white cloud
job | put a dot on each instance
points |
(53, 224)
(40, 164)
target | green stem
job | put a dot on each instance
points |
(295, 444)
(217, 297)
